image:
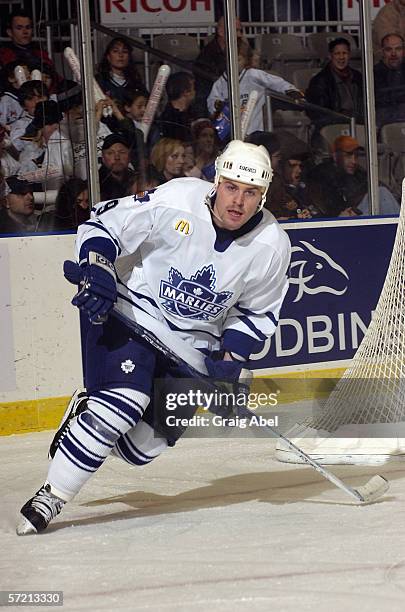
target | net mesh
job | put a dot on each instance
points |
(372, 389)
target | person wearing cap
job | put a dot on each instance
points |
(47, 155)
(339, 186)
(17, 216)
(115, 173)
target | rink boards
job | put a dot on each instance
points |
(336, 277)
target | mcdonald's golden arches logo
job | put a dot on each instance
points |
(184, 227)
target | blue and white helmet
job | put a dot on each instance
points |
(246, 163)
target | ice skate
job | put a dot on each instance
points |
(38, 511)
(77, 405)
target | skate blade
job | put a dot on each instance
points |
(24, 527)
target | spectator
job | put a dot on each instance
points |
(338, 187)
(189, 166)
(118, 122)
(212, 60)
(117, 71)
(29, 94)
(337, 87)
(143, 181)
(278, 201)
(175, 121)
(18, 214)
(47, 155)
(10, 107)
(206, 147)
(72, 205)
(390, 19)
(389, 81)
(292, 174)
(250, 79)
(115, 173)
(167, 158)
(135, 105)
(8, 163)
(21, 49)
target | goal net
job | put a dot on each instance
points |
(363, 420)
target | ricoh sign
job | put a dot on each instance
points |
(351, 9)
(336, 275)
(139, 13)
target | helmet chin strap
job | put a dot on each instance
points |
(208, 202)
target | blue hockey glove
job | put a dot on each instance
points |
(228, 371)
(234, 377)
(72, 272)
(98, 286)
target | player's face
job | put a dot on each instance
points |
(21, 204)
(340, 57)
(393, 52)
(118, 57)
(20, 31)
(235, 204)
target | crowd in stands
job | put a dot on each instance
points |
(42, 136)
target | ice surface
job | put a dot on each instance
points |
(210, 525)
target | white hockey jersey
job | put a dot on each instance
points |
(195, 286)
(249, 79)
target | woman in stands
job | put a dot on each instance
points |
(206, 147)
(72, 205)
(117, 71)
(168, 158)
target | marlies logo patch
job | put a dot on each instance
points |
(194, 297)
(127, 366)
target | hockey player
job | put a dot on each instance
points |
(209, 279)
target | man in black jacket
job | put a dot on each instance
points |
(337, 87)
(115, 174)
(389, 81)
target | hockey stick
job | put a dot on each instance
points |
(154, 99)
(36, 75)
(247, 112)
(74, 64)
(20, 75)
(372, 490)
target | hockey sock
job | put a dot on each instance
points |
(140, 445)
(110, 414)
